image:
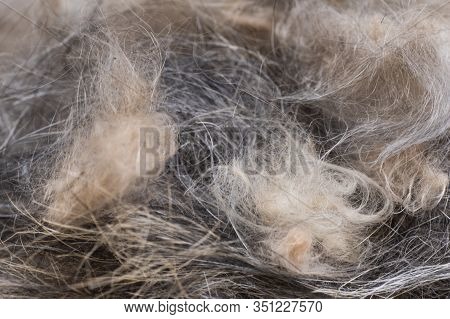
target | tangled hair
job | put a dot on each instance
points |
(212, 148)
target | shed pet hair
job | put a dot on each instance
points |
(224, 149)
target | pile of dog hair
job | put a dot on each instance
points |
(224, 148)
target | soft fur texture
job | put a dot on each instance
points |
(212, 148)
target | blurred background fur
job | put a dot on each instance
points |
(224, 148)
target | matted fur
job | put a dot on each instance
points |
(302, 148)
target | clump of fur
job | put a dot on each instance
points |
(105, 163)
(383, 75)
(307, 218)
